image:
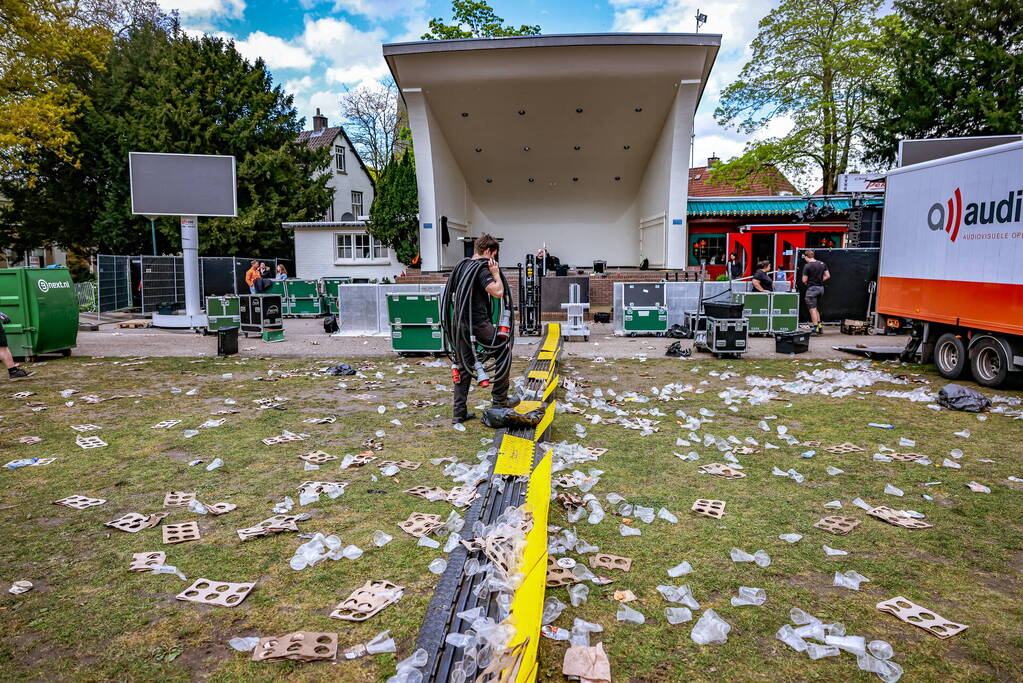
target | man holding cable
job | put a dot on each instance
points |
(486, 282)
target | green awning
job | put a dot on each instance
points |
(765, 206)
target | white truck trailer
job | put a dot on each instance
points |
(952, 262)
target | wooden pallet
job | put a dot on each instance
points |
(134, 324)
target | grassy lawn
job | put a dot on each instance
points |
(88, 618)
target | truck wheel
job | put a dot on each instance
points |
(950, 356)
(989, 364)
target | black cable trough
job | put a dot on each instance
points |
(455, 591)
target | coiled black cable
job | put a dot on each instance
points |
(463, 348)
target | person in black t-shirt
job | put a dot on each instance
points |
(815, 274)
(761, 280)
(488, 284)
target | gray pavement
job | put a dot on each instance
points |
(304, 338)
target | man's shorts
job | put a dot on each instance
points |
(3, 337)
(811, 296)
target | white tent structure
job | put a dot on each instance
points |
(579, 142)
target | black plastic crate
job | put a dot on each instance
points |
(792, 342)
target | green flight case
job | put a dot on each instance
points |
(784, 312)
(645, 320)
(756, 308)
(417, 339)
(222, 312)
(331, 292)
(418, 308)
(311, 307)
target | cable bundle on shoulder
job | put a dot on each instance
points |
(467, 353)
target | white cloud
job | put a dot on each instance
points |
(192, 9)
(352, 55)
(379, 9)
(276, 52)
(298, 86)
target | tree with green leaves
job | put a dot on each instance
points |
(474, 19)
(394, 216)
(958, 71)
(813, 64)
(163, 91)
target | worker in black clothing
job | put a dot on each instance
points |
(815, 274)
(14, 371)
(761, 280)
(488, 284)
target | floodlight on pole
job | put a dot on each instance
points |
(701, 19)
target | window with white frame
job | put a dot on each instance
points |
(359, 246)
(339, 159)
(356, 203)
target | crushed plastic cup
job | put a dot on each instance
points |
(790, 538)
(887, 671)
(854, 645)
(352, 552)
(893, 490)
(438, 566)
(956, 453)
(306, 497)
(596, 515)
(906, 443)
(880, 649)
(680, 569)
(458, 640)
(833, 552)
(761, 558)
(189, 433)
(750, 596)
(552, 609)
(787, 635)
(965, 434)
(168, 569)
(197, 507)
(678, 615)
(862, 504)
(644, 513)
(710, 629)
(667, 516)
(740, 555)
(626, 530)
(381, 539)
(978, 488)
(453, 541)
(849, 579)
(951, 463)
(427, 542)
(310, 466)
(682, 595)
(833, 505)
(382, 642)
(458, 427)
(614, 498)
(800, 617)
(578, 593)
(244, 644)
(390, 470)
(627, 615)
(818, 651)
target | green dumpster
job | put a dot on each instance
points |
(43, 308)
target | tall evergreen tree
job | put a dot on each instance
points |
(958, 70)
(394, 216)
(163, 91)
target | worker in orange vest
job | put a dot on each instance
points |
(251, 275)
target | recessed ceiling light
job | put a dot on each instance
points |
(639, 109)
(577, 148)
(575, 180)
(490, 180)
(465, 114)
(618, 177)
(531, 179)
(526, 148)
(479, 149)
(625, 147)
(578, 110)
(522, 112)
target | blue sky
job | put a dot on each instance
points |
(318, 48)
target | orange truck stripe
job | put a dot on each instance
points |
(983, 305)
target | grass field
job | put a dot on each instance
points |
(88, 618)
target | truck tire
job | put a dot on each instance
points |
(989, 363)
(950, 356)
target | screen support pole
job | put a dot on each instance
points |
(190, 256)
